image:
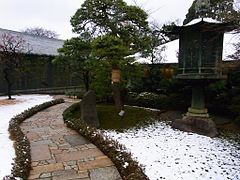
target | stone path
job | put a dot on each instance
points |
(61, 153)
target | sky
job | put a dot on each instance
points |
(55, 15)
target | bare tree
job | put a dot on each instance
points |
(39, 31)
(12, 50)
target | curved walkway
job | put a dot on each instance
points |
(61, 153)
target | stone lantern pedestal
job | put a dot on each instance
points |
(197, 119)
(197, 108)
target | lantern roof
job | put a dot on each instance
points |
(209, 20)
(204, 25)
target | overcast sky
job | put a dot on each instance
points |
(55, 14)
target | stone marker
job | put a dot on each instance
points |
(199, 125)
(88, 109)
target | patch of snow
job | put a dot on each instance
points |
(125, 165)
(236, 5)
(7, 151)
(230, 39)
(171, 52)
(172, 154)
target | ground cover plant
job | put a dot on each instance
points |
(109, 118)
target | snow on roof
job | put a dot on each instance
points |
(195, 21)
(171, 49)
(230, 39)
(38, 45)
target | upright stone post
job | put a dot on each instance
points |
(88, 109)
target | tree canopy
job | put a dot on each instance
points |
(113, 17)
(77, 53)
(39, 31)
(110, 48)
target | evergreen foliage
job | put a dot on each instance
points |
(221, 10)
(76, 53)
(113, 17)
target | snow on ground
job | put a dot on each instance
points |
(7, 152)
(173, 154)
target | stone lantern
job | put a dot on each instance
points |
(200, 59)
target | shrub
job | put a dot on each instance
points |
(77, 94)
(237, 120)
(235, 108)
(149, 100)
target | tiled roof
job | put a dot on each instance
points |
(38, 45)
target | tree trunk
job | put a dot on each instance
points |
(9, 84)
(116, 89)
(86, 80)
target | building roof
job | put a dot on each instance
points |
(38, 45)
(204, 25)
(170, 54)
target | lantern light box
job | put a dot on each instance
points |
(200, 49)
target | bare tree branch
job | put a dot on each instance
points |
(39, 31)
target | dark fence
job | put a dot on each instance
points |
(39, 74)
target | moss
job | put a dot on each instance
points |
(109, 118)
(73, 111)
(22, 162)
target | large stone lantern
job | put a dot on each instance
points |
(200, 59)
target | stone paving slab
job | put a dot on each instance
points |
(81, 154)
(76, 140)
(40, 152)
(105, 174)
(98, 162)
(61, 153)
